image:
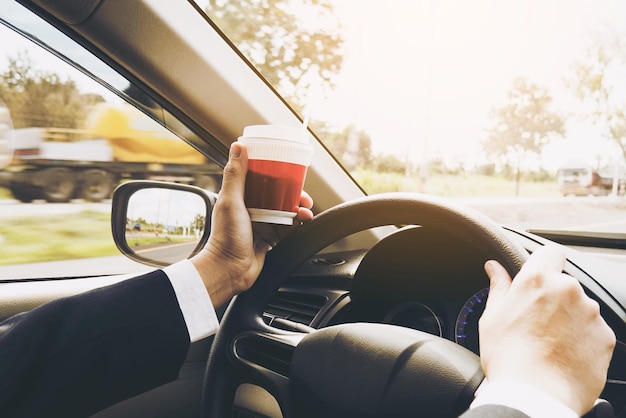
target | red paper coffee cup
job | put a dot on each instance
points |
(278, 158)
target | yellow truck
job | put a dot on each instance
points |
(117, 143)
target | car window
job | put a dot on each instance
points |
(488, 103)
(80, 129)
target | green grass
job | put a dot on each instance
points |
(453, 186)
(88, 234)
(56, 237)
(148, 241)
(5, 193)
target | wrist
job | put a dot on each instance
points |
(524, 397)
(215, 275)
(542, 372)
(547, 381)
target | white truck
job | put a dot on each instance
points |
(583, 180)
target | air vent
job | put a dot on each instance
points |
(297, 307)
(265, 353)
(327, 261)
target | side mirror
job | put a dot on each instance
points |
(160, 223)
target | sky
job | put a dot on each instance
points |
(12, 44)
(167, 207)
(421, 76)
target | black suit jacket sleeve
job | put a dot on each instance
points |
(76, 355)
(493, 411)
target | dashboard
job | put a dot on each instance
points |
(425, 280)
(414, 278)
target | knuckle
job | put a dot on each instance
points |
(571, 289)
(231, 169)
(534, 279)
(611, 340)
(593, 307)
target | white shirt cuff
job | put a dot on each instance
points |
(193, 299)
(525, 398)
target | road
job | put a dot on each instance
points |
(10, 208)
(96, 266)
(598, 214)
(169, 253)
(74, 268)
(595, 214)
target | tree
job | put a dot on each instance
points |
(292, 54)
(599, 83)
(42, 99)
(353, 147)
(523, 125)
(388, 163)
(198, 222)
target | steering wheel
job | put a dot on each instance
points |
(351, 370)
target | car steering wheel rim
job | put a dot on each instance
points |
(227, 369)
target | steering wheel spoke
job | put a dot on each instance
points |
(267, 357)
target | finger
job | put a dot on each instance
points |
(545, 260)
(261, 245)
(304, 214)
(234, 180)
(499, 281)
(306, 201)
(268, 233)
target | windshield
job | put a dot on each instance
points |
(515, 108)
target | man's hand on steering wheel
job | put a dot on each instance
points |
(541, 329)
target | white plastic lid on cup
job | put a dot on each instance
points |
(271, 216)
(278, 143)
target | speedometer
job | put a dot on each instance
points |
(466, 330)
(415, 315)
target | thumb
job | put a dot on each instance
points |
(499, 281)
(234, 180)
